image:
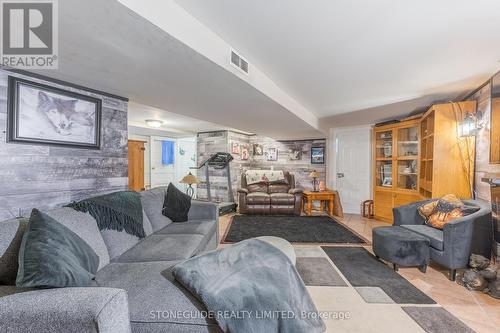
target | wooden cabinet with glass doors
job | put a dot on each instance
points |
(396, 166)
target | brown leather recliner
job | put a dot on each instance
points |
(276, 198)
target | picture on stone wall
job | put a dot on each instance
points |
(318, 155)
(43, 114)
(235, 148)
(244, 152)
(258, 149)
(271, 154)
(295, 153)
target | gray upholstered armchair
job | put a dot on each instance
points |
(452, 246)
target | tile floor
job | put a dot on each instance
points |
(479, 311)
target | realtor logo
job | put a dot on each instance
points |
(29, 34)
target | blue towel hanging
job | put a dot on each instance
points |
(167, 152)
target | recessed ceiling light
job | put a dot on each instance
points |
(154, 123)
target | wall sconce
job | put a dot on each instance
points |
(471, 123)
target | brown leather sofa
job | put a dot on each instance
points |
(277, 198)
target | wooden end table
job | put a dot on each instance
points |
(322, 196)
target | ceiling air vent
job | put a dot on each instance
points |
(239, 62)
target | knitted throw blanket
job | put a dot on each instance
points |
(115, 211)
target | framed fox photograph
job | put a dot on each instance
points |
(43, 114)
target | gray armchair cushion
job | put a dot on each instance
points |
(102, 310)
(52, 255)
(434, 235)
(163, 248)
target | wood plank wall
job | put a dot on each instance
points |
(47, 176)
(209, 143)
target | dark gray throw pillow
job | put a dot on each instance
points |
(176, 205)
(53, 256)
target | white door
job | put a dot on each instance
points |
(161, 175)
(353, 166)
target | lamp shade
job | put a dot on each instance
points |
(314, 174)
(189, 179)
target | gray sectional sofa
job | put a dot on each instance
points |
(134, 289)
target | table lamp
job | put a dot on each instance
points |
(189, 179)
(314, 175)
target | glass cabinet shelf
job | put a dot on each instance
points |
(384, 173)
(396, 158)
(407, 141)
(383, 144)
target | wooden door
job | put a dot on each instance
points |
(136, 165)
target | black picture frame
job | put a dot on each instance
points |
(320, 152)
(14, 123)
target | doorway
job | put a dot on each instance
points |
(162, 173)
(352, 166)
(146, 154)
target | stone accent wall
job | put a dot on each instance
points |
(44, 176)
(221, 141)
(483, 165)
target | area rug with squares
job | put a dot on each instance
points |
(295, 229)
(366, 295)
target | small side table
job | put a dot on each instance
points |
(323, 196)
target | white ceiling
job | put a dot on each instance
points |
(339, 56)
(173, 123)
(106, 46)
(313, 64)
